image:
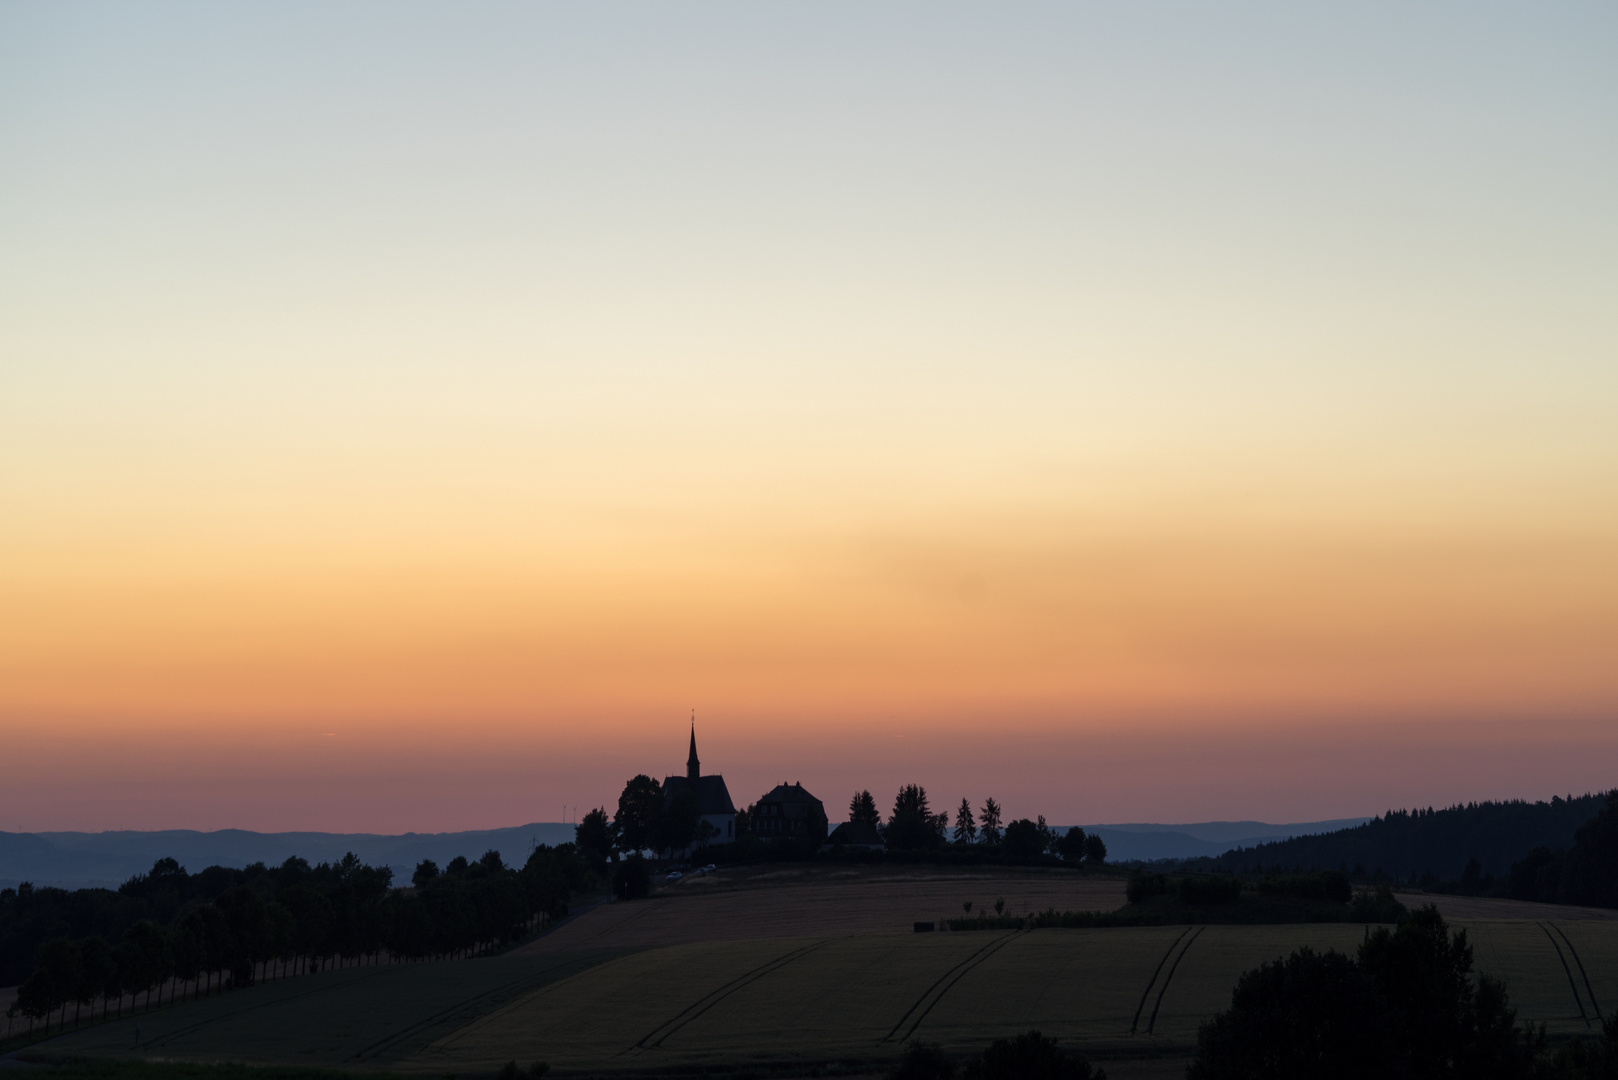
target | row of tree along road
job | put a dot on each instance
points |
(178, 934)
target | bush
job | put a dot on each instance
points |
(1142, 886)
(633, 878)
(1031, 1057)
(509, 1071)
(1022, 841)
(923, 1061)
(1209, 890)
(1376, 907)
(1331, 885)
(1587, 1059)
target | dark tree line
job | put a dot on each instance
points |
(1585, 873)
(1408, 844)
(169, 931)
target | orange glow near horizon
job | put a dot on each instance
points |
(1034, 633)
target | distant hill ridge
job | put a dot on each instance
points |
(1407, 844)
(108, 859)
(1148, 842)
(1401, 843)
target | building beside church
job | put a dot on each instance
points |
(789, 811)
(856, 834)
(713, 798)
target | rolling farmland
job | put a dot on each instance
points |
(604, 995)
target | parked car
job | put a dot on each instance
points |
(710, 868)
(674, 875)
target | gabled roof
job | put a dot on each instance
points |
(713, 797)
(790, 793)
(855, 832)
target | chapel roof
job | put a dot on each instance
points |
(713, 797)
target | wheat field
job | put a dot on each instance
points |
(814, 965)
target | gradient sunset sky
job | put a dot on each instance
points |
(410, 413)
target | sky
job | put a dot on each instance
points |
(411, 414)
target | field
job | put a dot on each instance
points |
(788, 972)
(777, 902)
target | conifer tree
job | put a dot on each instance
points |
(989, 822)
(966, 826)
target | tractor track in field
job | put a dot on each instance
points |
(1146, 993)
(1594, 1004)
(327, 987)
(964, 969)
(1572, 983)
(494, 996)
(917, 1003)
(654, 1038)
(1158, 1004)
(646, 909)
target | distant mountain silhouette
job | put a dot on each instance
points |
(1147, 841)
(107, 859)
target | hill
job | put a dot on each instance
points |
(782, 971)
(75, 860)
(1148, 842)
(1409, 844)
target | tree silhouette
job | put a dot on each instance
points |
(1409, 1007)
(707, 833)
(632, 879)
(150, 955)
(913, 824)
(594, 837)
(1071, 844)
(426, 872)
(97, 967)
(966, 825)
(1311, 1014)
(1022, 840)
(677, 828)
(185, 945)
(640, 812)
(912, 799)
(1095, 849)
(862, 810)
(989, 822)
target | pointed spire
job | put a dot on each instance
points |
(693, 768)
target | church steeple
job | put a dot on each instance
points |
(693, 768)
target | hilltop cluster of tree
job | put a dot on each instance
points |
(222, 926)
(1407, 845)
(914, 827)
(646, 821)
